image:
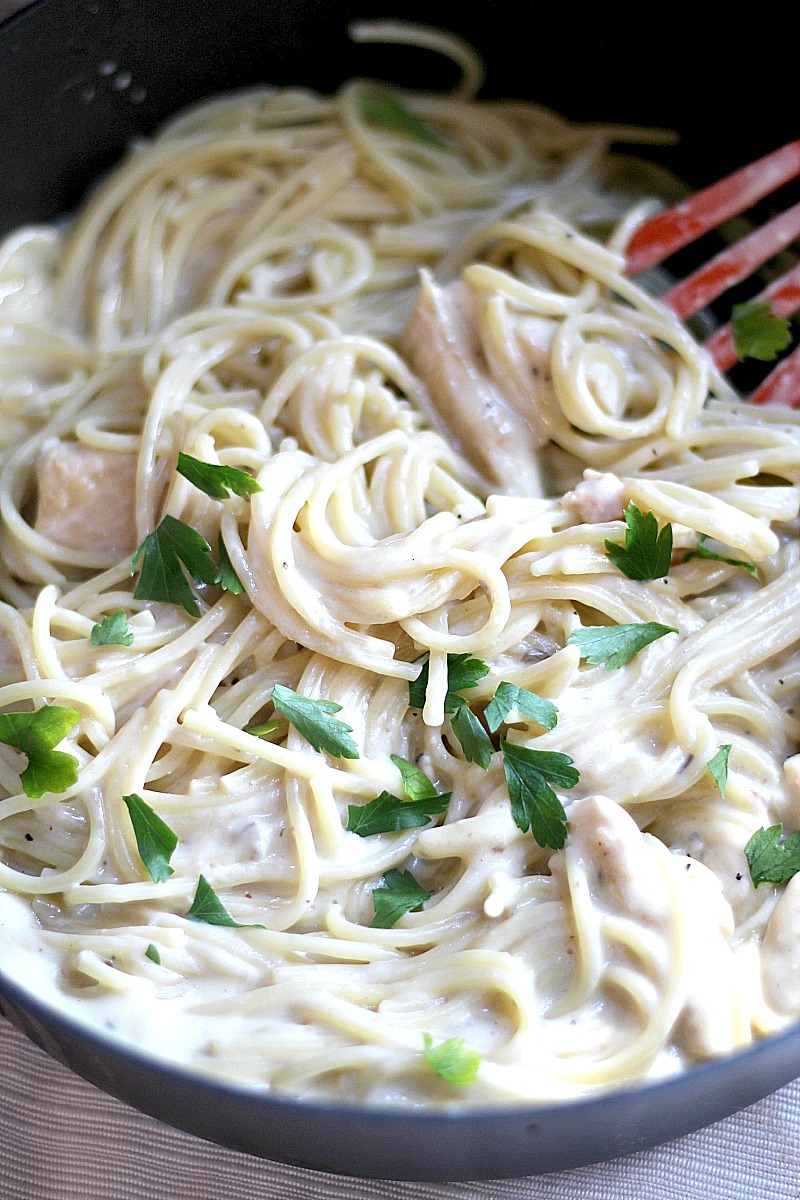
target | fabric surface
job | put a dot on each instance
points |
(62, 1139)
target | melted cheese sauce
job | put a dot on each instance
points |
(442, 456)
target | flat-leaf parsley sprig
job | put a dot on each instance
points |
(475, 741)
(207, 908)
(314, 720)
(217, 481)
(771, 859)
(530, 775)
(758, 332)
(616, 645)
(35, 734)
(455, 1061)
(399, 894)
(171, 555)
(702, 551)
(174, 553)
(155, 840)
(509, 699)
(718, 766)
(647, 552)
(113, 630)
(463, 672)
(389, 814)
(379, 106)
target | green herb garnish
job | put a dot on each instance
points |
(416, 785)
(155, 840)
(35, 734)
(475, 741)
(771, 860)
(226, 577)
(616, 645)
(164, 554)
(453, 1060)
(718, 766)
(312, 719)
(758, 332)
(510, 698)
(463, 672)
(112, 631)
(153, 954)
(389, 814)
(384, 108)
(208, 909)
(534, 804)
(266, 730)
(399, 895)
(647, 553)
(700, 551)
(217, 481)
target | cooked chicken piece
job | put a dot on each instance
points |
(443, 345)
(86, 498)
(658, 919)
(791, 774)
(599, 497)
(780, 953)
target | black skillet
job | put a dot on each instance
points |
(78, 79)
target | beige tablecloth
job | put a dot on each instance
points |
(61, 1139)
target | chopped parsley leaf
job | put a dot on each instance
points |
(701, 551)
(313, 719)
(389, 814)
(771, 860)
(155, 840)
(215, 480)
(208, 909)
(383, 108)
(534, 804)
(647, 553)
(475, 741)
(718, 766)
(35, 734)
(225, 575)
(453, 1060)
(166, 555)
(399, 895)
(616, 645)
(463, 672)
(758, 332)
(509, 698)
(113, 630)
(416, 785)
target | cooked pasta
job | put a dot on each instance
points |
(405, 318)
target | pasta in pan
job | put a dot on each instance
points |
(390, 781)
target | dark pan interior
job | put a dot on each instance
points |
(79, 79)
(66, 115)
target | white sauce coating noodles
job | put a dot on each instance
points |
(246, 289)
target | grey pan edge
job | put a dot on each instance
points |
(389, 1143)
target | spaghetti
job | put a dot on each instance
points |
(442, 460)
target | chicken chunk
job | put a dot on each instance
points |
(85, 498)
(443, 345)
(780, 953)
(597, 498)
